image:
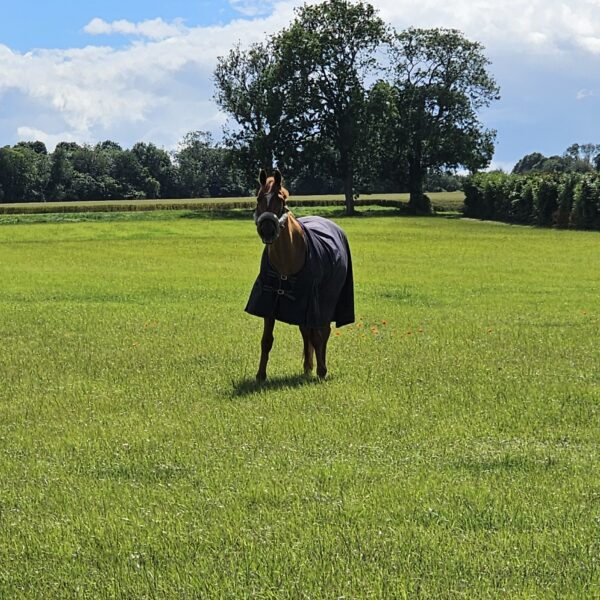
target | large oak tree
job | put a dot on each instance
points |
(439, 82)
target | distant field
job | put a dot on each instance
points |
(442, 201)
(452, 453)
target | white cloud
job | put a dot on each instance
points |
(541, 26)
(583, 93)
(32, 134)
(501, 165)
(160, 85)
(155, 29)
(252, 8)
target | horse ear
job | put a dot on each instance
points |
(262, 177)
(278, 177)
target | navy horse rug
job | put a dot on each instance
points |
(321, 292)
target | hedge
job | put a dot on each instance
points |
(549, 200)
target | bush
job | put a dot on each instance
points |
(545, 201)
(566, 189)
(538, 199)
(584, 214)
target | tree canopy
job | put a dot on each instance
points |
(342, 92)
(106, 171)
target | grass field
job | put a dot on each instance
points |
(452, 453)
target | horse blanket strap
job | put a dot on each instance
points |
(284, 287)
(322, 292)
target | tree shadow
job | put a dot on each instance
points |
(248, 386)
(237, 214)
(233, 214)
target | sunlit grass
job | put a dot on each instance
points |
(453, 451)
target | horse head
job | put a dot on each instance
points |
(271, 211)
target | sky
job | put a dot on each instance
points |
(141, 70)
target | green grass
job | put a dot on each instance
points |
(452, 453)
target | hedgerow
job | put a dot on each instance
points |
(549, 200)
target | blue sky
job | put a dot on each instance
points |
(141, 70)
(29, 24)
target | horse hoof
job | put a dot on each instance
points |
(322, 374)
(261, 377)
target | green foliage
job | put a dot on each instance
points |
(24, 173)
(320, 97)
(538, 163)
(204, 170)
(453, 453)
(441, 81)
(566, 192)
(106, 171)
(586, 204)
(545, 201)
(541, 199)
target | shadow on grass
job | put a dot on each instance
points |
(336, 213)
(248, 386)
(234, 214)
(205, 214)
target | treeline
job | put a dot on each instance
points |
(578, 158)
(199, 168)
(340, 91)
(560, 199)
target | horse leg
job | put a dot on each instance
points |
(266, 344)
(309, 350)
(319, 338)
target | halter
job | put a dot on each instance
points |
(278, 222)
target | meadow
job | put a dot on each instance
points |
(452, 452)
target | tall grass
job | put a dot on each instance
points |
(453, 451)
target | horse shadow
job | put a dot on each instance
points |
(248, 386)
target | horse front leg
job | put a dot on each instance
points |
(319, 338)
(266, 343)
(309, 350)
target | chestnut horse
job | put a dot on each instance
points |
(305, 277)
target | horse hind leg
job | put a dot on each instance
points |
(319, 337)
(266, 344)
(309, 350)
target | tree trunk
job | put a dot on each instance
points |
(349, 192)
(418, 203)
(347, 170)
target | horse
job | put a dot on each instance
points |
(305, 276)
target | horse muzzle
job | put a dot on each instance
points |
(269, 226)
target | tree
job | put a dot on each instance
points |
(530, 162)
(440, 81)
(247, 88)
(205, 169)
(159, 166)
(327, 56)
(24, 173)
(299, 98)
(583, 152)
(569, 162)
